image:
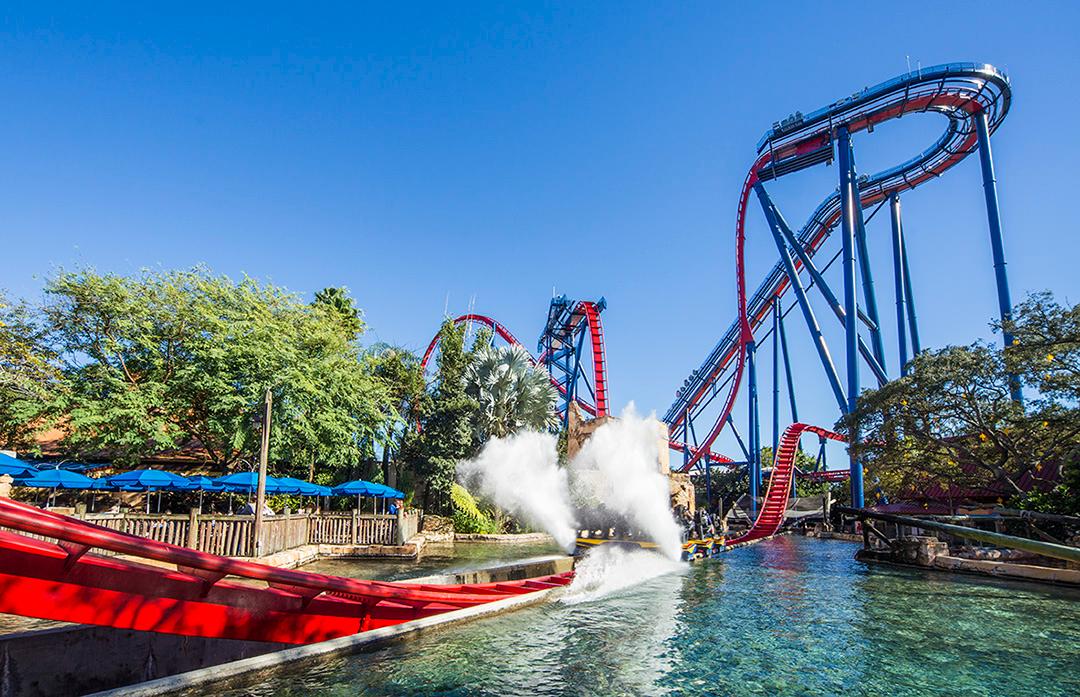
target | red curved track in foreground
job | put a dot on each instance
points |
(584, 311)
(206, 595)
(771, 515)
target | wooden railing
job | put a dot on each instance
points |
(232, 535)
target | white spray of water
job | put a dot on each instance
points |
(521, 475)
(617, 471)
(609, 568)
(621, 456)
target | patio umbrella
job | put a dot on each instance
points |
(357, 488)
(146, 480)
(15, 467)
(197, 483)
(56, 479)
(248, 482)
(303, 488)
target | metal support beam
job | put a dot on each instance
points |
(849, 196)
(800, 296)
(913, 320)
(898, 280)
(993, 214)
(738, 437)
(823, 287)
(867, 274)
(755, 431)
(787, 372)
(775, 374)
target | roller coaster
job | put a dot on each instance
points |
(561, 352)
(974, 100)
(48, 567)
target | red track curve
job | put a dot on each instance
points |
(584, 311)
(62, 581)
(774, 507)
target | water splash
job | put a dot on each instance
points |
(616, 472)
(610, 568)
(521, 475)
(621, 459)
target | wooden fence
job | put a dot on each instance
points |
(232, 535)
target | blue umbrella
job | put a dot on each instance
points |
(303, 488)
(147, 480)
(15, 467)
(197, 483)
(357, 487)
(248, 482)
(57, 479)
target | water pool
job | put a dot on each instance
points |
(437, 559)
(790, 616)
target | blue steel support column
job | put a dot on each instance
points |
(738, 437)
(993, 213)
(754, 464)
(571, 386)
(800, 296)
(913, 321)
(867, 277)
(898, 280)
(787, 372)
(849, 197)
(775, 374)
(772, 213)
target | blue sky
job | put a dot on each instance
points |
(438, 156)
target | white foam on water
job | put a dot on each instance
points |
(610, 568)
(521, 475)
(623, 455)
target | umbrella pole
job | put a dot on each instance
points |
(200, 500)
(147, 502)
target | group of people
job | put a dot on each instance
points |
(700, 525)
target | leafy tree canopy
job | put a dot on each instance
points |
(951, 420)
(160, 360)
(512, 395)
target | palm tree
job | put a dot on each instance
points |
(512, 394)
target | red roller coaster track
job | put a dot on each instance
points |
(584, 312)
(771, 515)
(203, 594)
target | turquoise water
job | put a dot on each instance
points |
(790, 616)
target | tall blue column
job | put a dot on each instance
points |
(849, 201)
(754, 464)
(787, 373)
(898, 280)
(775, 376)
(868, 282)
(993, 214)
(913, 320)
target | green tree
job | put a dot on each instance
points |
(28, 372)
(169, 359)
(445, 436)
(951, 420)
(399, 372)
(511, 394)
(343, 308)
(1046, 348)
